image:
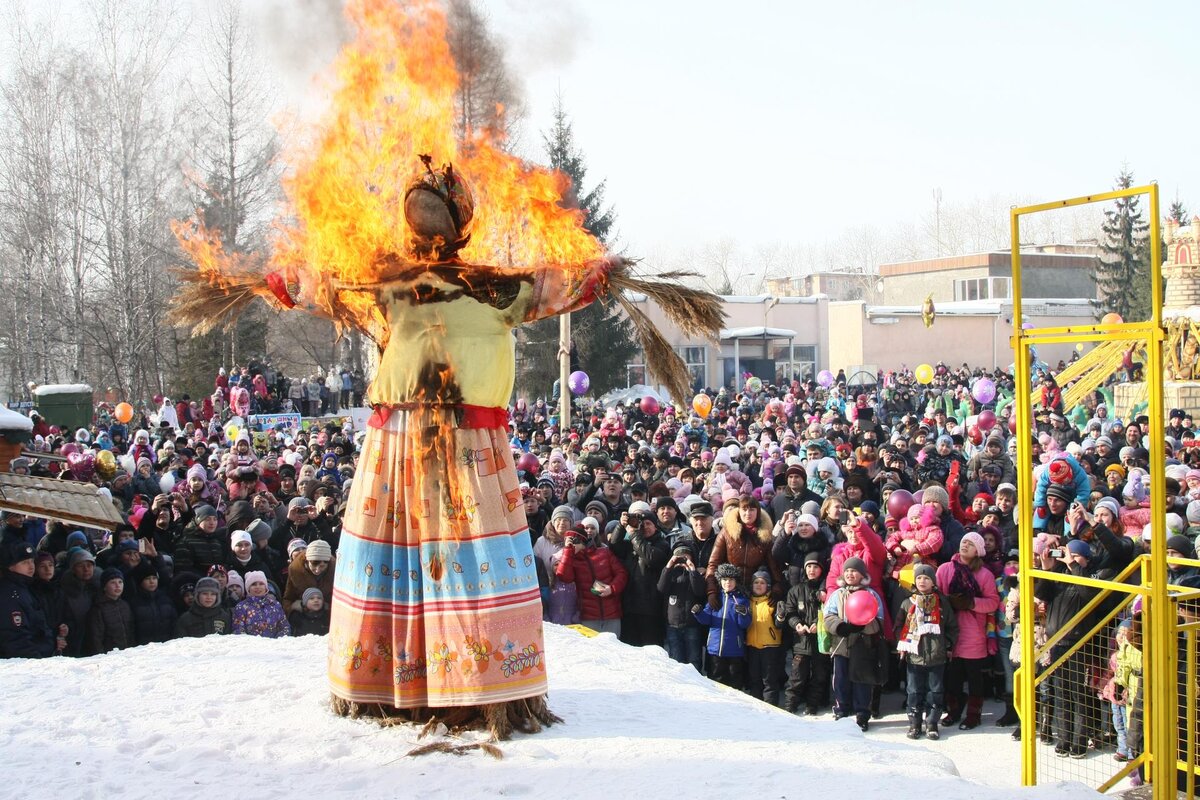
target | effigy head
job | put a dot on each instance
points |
(438, 207)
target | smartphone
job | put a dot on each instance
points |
(843, 517)
(1057, 553)
(142, 546)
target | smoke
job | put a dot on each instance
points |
(541, 36)
(300, 38)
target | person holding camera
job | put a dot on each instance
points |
(599, 578)
(644, 552)
(682, 584)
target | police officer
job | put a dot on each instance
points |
(24, 631)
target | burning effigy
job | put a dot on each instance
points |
(435, 249)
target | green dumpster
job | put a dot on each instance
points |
(67, 405)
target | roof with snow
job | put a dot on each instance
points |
(758, 332)
(62, 388)
(1066, 307)
(12, 421)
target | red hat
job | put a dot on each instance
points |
(990, 500)
(1060, 472)
(844, 447)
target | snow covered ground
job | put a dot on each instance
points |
(236, 716)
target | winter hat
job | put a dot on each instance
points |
(926, 570)
(829, 465)
(142, 571)
(811, 507)
(128, 544)
(1061, 492)
(1060, 472)
(1175, 524)
(197, 471)
(869, 507)
(1117, 468)
(640, 508)
(77, 539)
(234, 580)
(682, 550)
(204, 511)
(258, 530)
(1104, 440)
(1193, 512)
(808, 519)
(944, 440)
(764, 574)
(856, 564)
(294, 546)
(722, 457)
(563, 512)
(237, 537)
(208, 585)
(79, 555)
(728, 571)
(318, 550)
(1078, 547)
(936, 494)
(1115, 510)
(310, 593)
(1006, 487)
(812, 558)
(256, 576)
(975, 539)
(111, 574)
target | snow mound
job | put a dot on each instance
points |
(13, 421)
(237, 716)
(62, 388)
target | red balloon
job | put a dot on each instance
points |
(987, 419)
(1012, 424)
(975, 435)
(861, 607)
(528, 463)
(649, 405)
(69, 448)
(899, 502)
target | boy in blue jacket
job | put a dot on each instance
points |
(727, 629)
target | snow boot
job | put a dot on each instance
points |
(864, 720)
(931, 723)
(974, 713)
(954, 708)
(914, 725)
(1010, 714)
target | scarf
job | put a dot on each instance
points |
(963, 582)
(924, 616)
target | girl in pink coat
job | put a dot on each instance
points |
(861, 542)
(971, 589)
(920, 535)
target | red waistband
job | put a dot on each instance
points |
(466, 415)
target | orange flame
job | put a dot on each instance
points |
(395, 99)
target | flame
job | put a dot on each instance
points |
(394, 99)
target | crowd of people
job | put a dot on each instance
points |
(813, 546)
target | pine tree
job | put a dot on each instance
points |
(602, 340)
(1122, 277)
(1178, 212)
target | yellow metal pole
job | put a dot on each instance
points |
(1026, 691)
(1161, 699)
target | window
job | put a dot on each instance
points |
(982, 288)
(696, 359)
(635, 370)
(801, 368)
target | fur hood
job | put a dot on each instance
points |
(733, 526)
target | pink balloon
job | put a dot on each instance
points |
(82, 465)
(898, 503)
(861, 607)
(987, 419)
(69, 448)
(528, 462)
(919, 497)
(649, 405)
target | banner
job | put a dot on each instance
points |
(270, 422)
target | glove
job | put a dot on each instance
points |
(961, 602)
(844, 628)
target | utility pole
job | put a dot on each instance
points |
(564, 373)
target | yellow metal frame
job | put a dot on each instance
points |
(1158, 605)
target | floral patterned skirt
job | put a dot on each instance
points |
(436, 600)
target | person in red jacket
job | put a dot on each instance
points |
(599, 578)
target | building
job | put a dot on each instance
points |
(1048, 272)
(837, 286)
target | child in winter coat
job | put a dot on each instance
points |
(926, 629)
(727, 627)
(921, 540)
(764, 640)
(206, 616)
(260, 614)
(971, 589)
(110, 622)
(855, 648)
(804, 616)
(313, 616)
(1126, 695)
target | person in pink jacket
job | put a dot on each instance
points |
(920, 535)
(971, 589)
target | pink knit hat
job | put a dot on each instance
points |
(975, 539)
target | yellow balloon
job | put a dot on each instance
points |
(231, 433)
(923, 373)
(1079, 347)
(702, 404)
(106, 464)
